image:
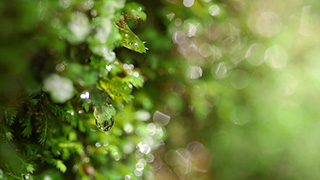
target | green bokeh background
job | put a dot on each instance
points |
(239, 80)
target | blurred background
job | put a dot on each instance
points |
(231, 88)
(241, 85)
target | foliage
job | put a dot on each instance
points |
(61, 83)
(79, 81)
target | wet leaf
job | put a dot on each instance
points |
(135, 11)
(129, 39)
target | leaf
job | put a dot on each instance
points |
(27, 131)
(117, 90)
(61, 112)
(5, 131)
(129, 39)
(61, 166)
(10, 115)
(43, 128)
(86, 106)
(30, 168)
(136, 81)
(135, 10)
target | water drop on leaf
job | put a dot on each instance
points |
(104, 115)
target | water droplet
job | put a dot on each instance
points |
(183, 159)
(104, 115)
(214, 10)
(194, 72)
(94, 13)
(157, 164)
(128, 127)
(150, 158)
(205, 50)
(179, 37)
(27, 176)
(109, 67)
(126, 66)
(87, 159)
(170, 158)
(60, 88)
(265, 23)
(255, 53)
(161, 118)
(221, 70)
(136, 74)
(98, 144)
(138, 173)
(140, 164)
(170, 16)
(151, 128)
(79, 26)
(127, 177)
(276, 57)
(72, 113)
(60, 67)
(144, 148)
(116, 156)
(85, 95)
(178, 22)
(188, 3)
(143, 115)
(192, 29)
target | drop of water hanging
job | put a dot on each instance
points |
(104, 115)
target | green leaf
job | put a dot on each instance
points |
(10, 115)
(30, 168)
(117, 90)
(86, 106)
(129, 39)
(61, 166)
(135, 10)
(136, 81)
(27, 131)
(43, 129)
